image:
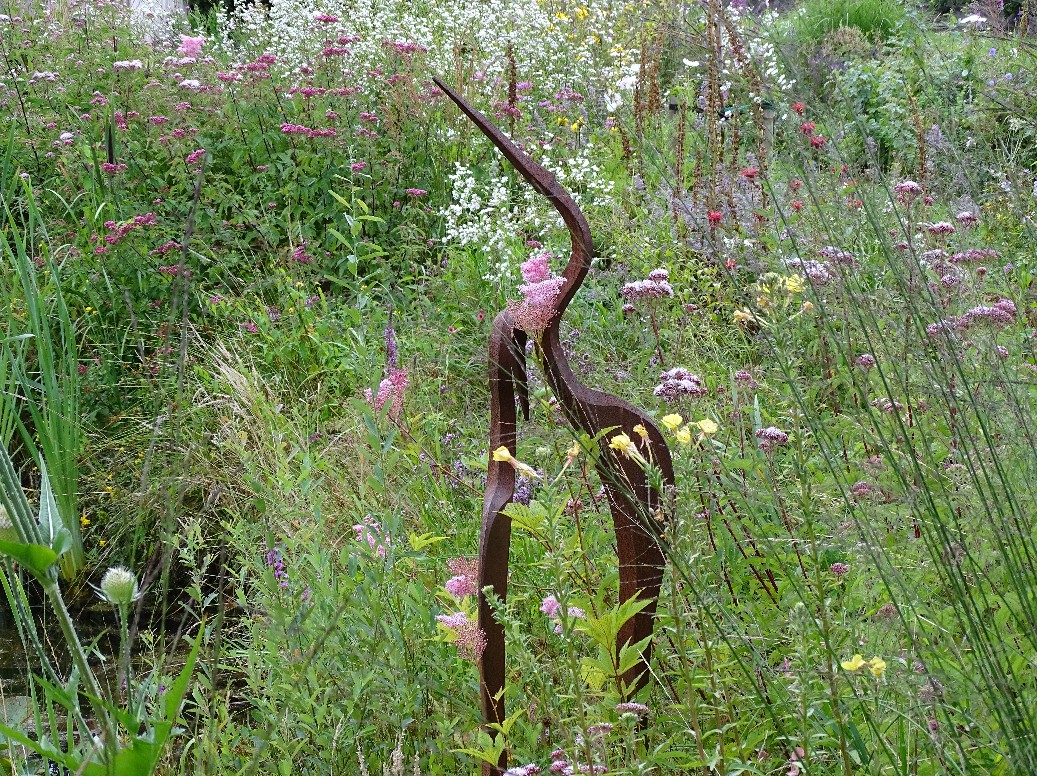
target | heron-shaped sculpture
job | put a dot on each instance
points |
(635, 504)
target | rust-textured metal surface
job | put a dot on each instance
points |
(636, 506)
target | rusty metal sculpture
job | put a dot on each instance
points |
(635, 504)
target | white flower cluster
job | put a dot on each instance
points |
(552, 50)
(489, 212)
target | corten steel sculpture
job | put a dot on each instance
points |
(635, 504)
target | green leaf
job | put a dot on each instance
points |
(34, 557)
(55, 534)
(418, 543)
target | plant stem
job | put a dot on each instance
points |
(75, 648)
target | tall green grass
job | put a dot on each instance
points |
(39, 358)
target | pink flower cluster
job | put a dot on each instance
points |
(298, 129)
(405, 50)
(190, 47)
(118, 231)
(194, 156)
(465, 579)
(470, 639)
(390, 391)
(657, 286)
(819, 272)
(162, 250)
(370, 531)
(553, 608)
(837, 255)
(679, 382)
(535, 311)
(770, 438)
(112, 170)
(973, 255)
(1001, 313)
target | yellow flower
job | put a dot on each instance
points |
(707, 426)
(575, 127)
(101, 542)
(84, 521)
(641, 431)
(622, 443)
(856, 663)
(562, 121)
(808, 307)
(762, 301)
(877, 667)
(574, 451)
(582, 13)
(795, 284)
(743, 316)
(683, 435)
(672, 421)
(502, 455)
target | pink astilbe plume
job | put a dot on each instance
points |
(535, 311)
(390, 391)
(190, 47)
(393, 387)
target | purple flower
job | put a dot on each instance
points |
(632, 708)
(679, 382)
(839, 569)
(771, 438)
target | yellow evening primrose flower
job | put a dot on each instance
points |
(623, 444)
(641, 431)
(743, 316)
(856, 663)
(683, 435)
(502, 455)
(672, 421)
(707, 426)
(574, 451)
(877, 667)
(795, 284)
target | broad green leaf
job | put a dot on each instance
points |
(34, 557)
(53, 529)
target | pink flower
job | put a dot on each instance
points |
(470, 639)
(416, 192)
(462, 586)
(537, 268)
(390, 390)
(357, 166)
(190, 47)
(550, 606)
(370, 531)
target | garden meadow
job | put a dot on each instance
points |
(251, 258)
